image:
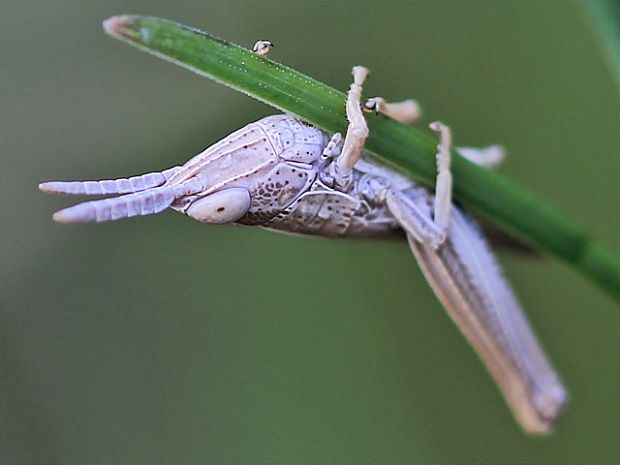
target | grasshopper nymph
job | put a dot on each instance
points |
(280, 173)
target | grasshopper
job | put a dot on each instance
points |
(283, 174)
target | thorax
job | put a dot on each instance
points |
(360, 211)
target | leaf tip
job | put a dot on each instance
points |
(122, 26)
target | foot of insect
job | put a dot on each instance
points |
(487, 157)
(407, 112)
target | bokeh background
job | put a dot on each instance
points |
(159, 340)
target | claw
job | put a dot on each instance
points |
(262, 47)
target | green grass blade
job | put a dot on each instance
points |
(406, 148)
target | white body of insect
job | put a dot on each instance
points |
(283, 174)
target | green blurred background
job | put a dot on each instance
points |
(159, 340)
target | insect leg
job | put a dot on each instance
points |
(489, 157)
(468, 281)
(331, 149)
(110, 186)
(357, 131)
(407, 111)
(414, 216)
(413, 213)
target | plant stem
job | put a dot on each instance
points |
(405, 148)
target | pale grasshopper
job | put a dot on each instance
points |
(282, 174)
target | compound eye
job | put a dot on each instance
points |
(221, 207)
